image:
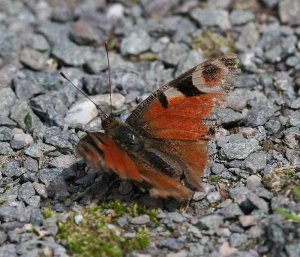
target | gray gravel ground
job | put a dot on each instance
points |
(151, 42)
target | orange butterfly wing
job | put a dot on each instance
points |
(98, 146)
(178, 110)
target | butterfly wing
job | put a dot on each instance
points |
(98, 148)
(178, 109)
(173, 117)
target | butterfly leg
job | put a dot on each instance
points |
(184, 206)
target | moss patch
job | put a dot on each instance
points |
(282, 179)
(211, 44)
(293, 217)
(98, 233)
(214, 179)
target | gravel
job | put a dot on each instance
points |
(255, 132)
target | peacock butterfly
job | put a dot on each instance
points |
(163, 143)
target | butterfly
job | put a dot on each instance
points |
(163, 143)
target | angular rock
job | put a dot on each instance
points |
(289, 12)
(33, 59)
(26, 191)
(206, 17)
(140, 220)
(237, 147)
(84, 34)
(136, 43)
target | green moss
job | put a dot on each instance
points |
(211, 44)
(112, 43)
(214, 179)
(131, 209)
(291, 216)
(289, 173)
(48, 212)
(98, 233)
(297, 193)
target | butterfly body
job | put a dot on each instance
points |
(163, 143)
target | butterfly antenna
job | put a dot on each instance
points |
(102, 114)
(109, 76)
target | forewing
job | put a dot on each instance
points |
(178, 109)
(98, 148)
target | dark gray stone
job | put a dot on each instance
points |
(22, 113)
(136, 43)
(62, 14)
(5, 121)
(273, 126)
(253, 182)
(25, 89)
(10, 213)
(31, 164)
(39, 149)
(33, 59)
(52, 112)
(293, 250)
(210, 222)
(20, 140)
(263, 193)
(5, 148)
(256, 161)
(174, 53)
(129, 81)
(7, 100)
(36, 217)
(38, 42)
(227, 116)
(275, 233)
(8, 250)
(270, 3)
(258, 116)
(240, 17)
(14, 236)
(159, 8)
(231, 211)
(289, 12)
(12, 169)
(217, 168)
(176, 217)
(237, 147)
(140, 220)
(206, 17)
(3, 237)
(237, 239)
(170, 244)
(213, 197)
(48, 175)
(125, 187)
(54, 136)
(6, 134)
(239, 194)
(294, 117)
(26, 191)
(83, 33)
(258, 202)
(96, 65)
(69, 53)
